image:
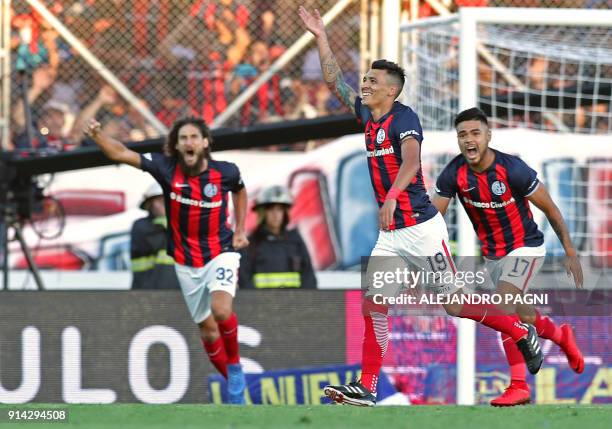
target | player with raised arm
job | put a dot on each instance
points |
(410, 226)
(200, 239)
(495, 189)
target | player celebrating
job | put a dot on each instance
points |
(200, 240)
(411, 227)
(495, 189)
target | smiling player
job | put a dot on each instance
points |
(411, 229)
(495, 189)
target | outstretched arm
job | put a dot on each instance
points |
(331, 70)
(42, 78)
(113, 149)
(542, 200)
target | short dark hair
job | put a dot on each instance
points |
(172, 139)
(392, 68)
(470, 115)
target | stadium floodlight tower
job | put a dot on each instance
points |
(445, 58)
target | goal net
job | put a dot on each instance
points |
(544, 77)
(547, 75)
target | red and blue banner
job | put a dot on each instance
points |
(295, 386)
(422, 359)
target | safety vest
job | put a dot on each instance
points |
(273, 261)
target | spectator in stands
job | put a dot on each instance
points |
(106, 97)
(276, 256)
(34, 42)
(537, 73)
(219, 26)
(296, 104)
(486, 79)
(264, 23)
(266, 104)
(172, 109)
(125, 122)
(602, 126)
(209, 42)
(598, 4)
(170, 93)
(152, 268)
(51, 122)
(130, 125)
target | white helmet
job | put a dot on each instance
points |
(274, 195)
(155, 190)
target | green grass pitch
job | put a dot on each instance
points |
(128, 416)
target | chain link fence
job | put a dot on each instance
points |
(547, 77)
(426, 10)
(178, 57)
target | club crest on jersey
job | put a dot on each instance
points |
(210, 190)
(498, 187)
(380, 136)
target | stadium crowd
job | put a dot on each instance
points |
(178, 61)
(195, 60)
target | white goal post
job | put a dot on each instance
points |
(441, 57)
(469, 19)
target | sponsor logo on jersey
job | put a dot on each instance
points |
(196, 203)
(380, 152)
(380, 136)
(210, 190)
(148, 156)
(409, 133)
(488, 204)
(181, 185)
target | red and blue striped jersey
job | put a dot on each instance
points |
(495, 201)
(383, 139)
(196, 207)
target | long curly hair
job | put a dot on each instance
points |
(172, 139)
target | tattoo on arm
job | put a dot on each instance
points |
(335, 81)
(560, 228)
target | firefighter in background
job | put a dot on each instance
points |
(276, 256)
(152, 268)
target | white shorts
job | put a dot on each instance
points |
(197, 283)
(420, 248)
(518, 267)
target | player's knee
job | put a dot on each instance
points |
(526, 313)
(208, 333)
(368, 307)
(527, 318)
(209, 337)
(222, 312)
(453, 309)
(506, 308)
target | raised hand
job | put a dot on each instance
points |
(240, 240)
(92, 129)
(313, 22)
(42, 78)
(574, 268)
(107, 95)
